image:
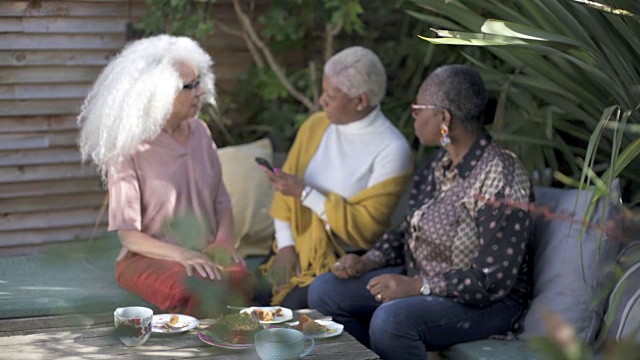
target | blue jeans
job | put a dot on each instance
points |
(409, 327)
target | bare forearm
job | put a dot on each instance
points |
(143, 244)
(224, 236)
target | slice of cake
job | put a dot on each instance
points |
(310, 327)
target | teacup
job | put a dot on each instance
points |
(133, 324)
(282, 344)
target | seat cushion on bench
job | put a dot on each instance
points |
(251, 195)
(622, 320)
(63, 278)
(568, 272)
(491, 350)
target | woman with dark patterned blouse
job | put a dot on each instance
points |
(455, 269)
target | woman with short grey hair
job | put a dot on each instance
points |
(358, 71)
(340, 183)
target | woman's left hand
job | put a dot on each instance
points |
(387, 287)
(286, 184)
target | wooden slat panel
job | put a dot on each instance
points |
(40, 156)
(43, 188)
(52, 203)
(53, 57)
(62, 25)
(22, 124)
(10, 25)
(49, 219)
(13, 142)
(70, 8)
(73, 25)
(32, 325)
(61, 41)
(42, 236)
(99, 57)
(45, 91)
(39, 107)
(51, 74)
(16, 174)
(38, 140)
(50, 54)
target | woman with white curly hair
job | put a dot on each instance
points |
(139, 125)
(341, 182)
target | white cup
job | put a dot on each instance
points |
(282, 344)
(133, 324)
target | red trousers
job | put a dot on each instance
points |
(166, 285)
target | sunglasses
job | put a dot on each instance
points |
(194, 85)
(415, 107)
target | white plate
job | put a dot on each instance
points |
(210, 337)
(333, 329)
(286, 314)
(185, 323)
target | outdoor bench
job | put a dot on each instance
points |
(570, 274)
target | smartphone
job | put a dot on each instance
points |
(264, 162)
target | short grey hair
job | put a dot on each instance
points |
(132, 99)
(357, 70)
(461, 90)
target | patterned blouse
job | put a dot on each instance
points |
(466, 227)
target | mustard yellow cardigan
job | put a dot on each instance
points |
(359, 220)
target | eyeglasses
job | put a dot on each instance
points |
(194, 85)
(415, 107)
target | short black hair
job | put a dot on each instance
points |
(459, 89)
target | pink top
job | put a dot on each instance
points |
(164, 179)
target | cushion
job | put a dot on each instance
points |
(568, 272)
(251, 196)
(491, 349)
(622, 321)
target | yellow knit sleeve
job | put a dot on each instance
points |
(363, 218)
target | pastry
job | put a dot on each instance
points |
(173, 320)
(265, 315)
(310, 327)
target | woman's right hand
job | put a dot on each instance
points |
(201, 263)
(284, 265)
(352, 266)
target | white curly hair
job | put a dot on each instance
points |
(133, 97)
(357, 70)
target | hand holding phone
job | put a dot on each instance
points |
(264, 162)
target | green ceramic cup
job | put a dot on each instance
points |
(282, 344)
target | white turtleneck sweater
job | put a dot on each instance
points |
(349, 159)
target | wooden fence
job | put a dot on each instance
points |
(50, 54)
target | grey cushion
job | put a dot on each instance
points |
(491, 350)
(622, 320)
(568, 273)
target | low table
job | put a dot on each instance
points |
(92, 337)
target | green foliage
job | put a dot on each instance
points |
(301, 35)
(381, 26)
(349, 11)
(565, 74)
(177, 17)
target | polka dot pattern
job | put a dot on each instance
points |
(468, 249)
